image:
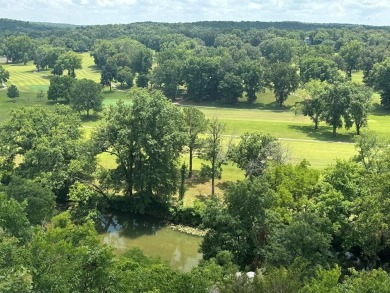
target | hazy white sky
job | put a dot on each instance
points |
(127, 11)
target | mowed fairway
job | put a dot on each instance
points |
(296, 133)
(29, 82)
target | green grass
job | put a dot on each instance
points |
(296, 132)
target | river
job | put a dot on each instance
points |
(154, 237)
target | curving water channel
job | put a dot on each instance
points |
(154, 237)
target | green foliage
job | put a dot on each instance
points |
(213, 152)
(284, 80)
(378, 78)
(50, 144)
(142, 80)
(4, 75)
(230, 88)
(308, 236)
(337, 99)
(85, 203)
(293, 185)
(312, 68)
(201, 77)
(255, 152)
(360, 105)
(146, 140)
(351, 53)
(69, 61)
(13, 92)
(60, 87)
(40, 201)
(325, 281)
(19, 49)
(109, 73)
(13, 217)
(364, 282)
(253, 77)
(240, 226)
(313, 105)
(277, 50)
(168, 76)
(196, 123)
(138, 273)
(125, 76)
(68, 258)
(188, 215)
(85, 95)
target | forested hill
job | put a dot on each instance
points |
(41, 29)
(32, 29)
(282, 25)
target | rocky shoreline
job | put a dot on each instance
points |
(189, 230)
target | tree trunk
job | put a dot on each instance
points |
(334, 130)
(281, 103)
(190, 164)
(357, 129)
(212, 184)
(212, 176)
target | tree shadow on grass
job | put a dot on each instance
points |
(94, 68)
(195, 179)
(91, 118)
(224, 185)
(379, 110)
(323, 133)
(243, 105)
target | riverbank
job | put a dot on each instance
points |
(189, 230)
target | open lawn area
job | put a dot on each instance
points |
(295, 132)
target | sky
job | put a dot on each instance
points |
(129, 11)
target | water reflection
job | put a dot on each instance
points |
(154, 237)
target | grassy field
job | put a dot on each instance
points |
(29, 82)
(295, 132)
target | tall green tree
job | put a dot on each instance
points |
(313, 105)
(125, 76)
(240, 225)
(284, 80)
(230, 88)
(60, 88)
(337, 99)
(49, 140)
(168, 76)
(40, 201)
(253, 77)
(69, 258)
(360, 105)
(277, 50)
(146, 139)
(351, 53)
(255, 152)
(378, 79)
(213, 152)
(69, 61)
(196, 123)
(13, 92)
(85, 95)
(19, 49)
(201, 77)
(109, 73)
(4, 75)
(318, 68)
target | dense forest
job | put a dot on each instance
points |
(298, 228)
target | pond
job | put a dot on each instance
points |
(154, 237)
